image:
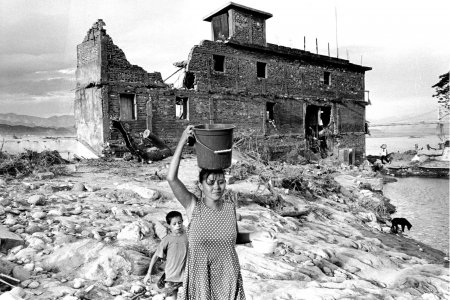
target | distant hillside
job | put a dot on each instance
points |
(21, 130)
(406, 130)
(31, 121)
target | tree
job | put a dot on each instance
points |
(442, 91)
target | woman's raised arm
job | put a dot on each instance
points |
(180, 191)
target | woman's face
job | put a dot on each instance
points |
(213, 186)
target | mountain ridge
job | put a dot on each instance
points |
(14, 119)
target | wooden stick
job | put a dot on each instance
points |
(1, 280)
(9, 277)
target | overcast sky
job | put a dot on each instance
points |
(405, 42)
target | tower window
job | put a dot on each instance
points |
(219, 63)
(261, 69)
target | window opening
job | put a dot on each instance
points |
(326, 79)
(219, 63)
(269, 111)
(127, 107)
(261, 69)
(181, 108)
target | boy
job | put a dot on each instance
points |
(173, 248)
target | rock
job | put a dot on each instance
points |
(45, 175)
(36, 200)
(20, 273)
(9, 296)
(232, 180)
(368, 216)
(56, 212)
(8, 239)
(327, 270)
(135, 231)
(33, 228)
(29, 267)
(2, 182)
(120, 298)
(78, 187)
(62, 239)
(39, 215)
(91, 188)
(78, 283)
(5, 202)
(96, 235)
(46, 188)
(33, 285)
(17, 292)
(10, 220)
(429, 296)
(70, 297)
(141, 191)
(114, 291)
(36, 243)
(109, 282)
(136, 289)
(16, 249)
(139, 262)
(344, 191)
(77, 210)
(159, 297)
(6, 266)
(26, 254)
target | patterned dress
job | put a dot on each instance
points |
(212, 269)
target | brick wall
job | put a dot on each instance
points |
(351, 117)
(124, 78)
(285, 76)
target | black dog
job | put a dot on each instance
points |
(400, 221)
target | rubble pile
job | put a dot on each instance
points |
(90, 234)
(31, 161)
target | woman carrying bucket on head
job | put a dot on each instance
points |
(212, 268)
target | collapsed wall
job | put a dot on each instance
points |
(109, 87)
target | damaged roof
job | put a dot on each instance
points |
(231, 5)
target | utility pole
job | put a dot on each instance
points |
(337, 45)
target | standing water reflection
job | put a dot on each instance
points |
(425, 203)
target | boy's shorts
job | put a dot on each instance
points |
(172, 287)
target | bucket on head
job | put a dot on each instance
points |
(213, 145)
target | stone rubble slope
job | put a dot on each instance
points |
(90, 234)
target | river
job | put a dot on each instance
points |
(425, 203)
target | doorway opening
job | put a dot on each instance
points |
(318, 128)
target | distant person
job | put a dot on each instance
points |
(384, 154)
(173, 249)
(212, 269)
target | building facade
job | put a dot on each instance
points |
(289, 97)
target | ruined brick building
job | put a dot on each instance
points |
(283, 95)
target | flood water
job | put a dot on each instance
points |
(425, 203)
